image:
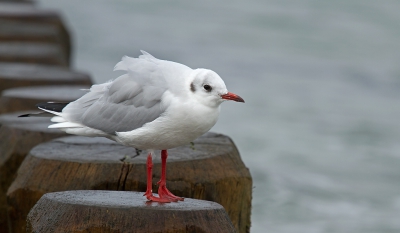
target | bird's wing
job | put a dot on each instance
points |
(125, 104)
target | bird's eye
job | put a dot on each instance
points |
(207, 87)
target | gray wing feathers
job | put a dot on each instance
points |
(125, 104)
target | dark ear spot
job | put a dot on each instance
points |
(192, 88)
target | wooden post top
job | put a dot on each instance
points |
(23, 74)
(27, 31)
(116, 211)
(51, 93)
(85, 149)
(33, 52)
(26, 98)
(209, 169)
(126, 199)
(25, 11)
(23, 71)
(37, 124)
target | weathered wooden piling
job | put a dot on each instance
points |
(210, 169)
(26, 98)
(27, 52)
(111, 211)
(49, 50)
(26, 31)
(22, 75)
(17, 137)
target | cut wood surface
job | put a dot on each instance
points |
(26, 98)
(26, 31)
(113, 211)
(17, 137)
(22, 75)
(19, 1)
(23, 13)
(33, 52)
(211, 169)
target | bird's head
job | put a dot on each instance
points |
(209, 89)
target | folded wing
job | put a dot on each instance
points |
(124, 104)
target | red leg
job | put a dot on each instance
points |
(163, 192)
(149, 190)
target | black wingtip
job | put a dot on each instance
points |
(24, 115)
(41, 105)
(56, 107)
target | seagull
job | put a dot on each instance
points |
(156, 105)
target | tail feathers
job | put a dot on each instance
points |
(57, 119)
(49, 109)
(66, 125)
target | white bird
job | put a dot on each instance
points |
(156, 105)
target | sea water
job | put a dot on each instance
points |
(320, 129)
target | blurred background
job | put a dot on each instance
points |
(320, 129)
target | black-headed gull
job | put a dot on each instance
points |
(156, 105)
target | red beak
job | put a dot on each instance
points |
(231, 96)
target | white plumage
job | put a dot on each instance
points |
(157, 104)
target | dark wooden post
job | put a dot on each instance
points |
(210, 169)
(21, 75)
(26, 98)
(46, 51)
(17, 137)
(28, 52)
(122, 211)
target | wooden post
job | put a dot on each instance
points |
(112, 211)
(17, 137)
(25, 31)
(210, 169)
(24, 13)
(27, 52)
(20, 75)
(26, 98)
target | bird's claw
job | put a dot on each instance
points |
(163, 192)
(149, 195)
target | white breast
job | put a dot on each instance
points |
(182, 123)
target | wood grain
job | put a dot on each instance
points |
(21, 75)
(17, 137)
(26, 98)
(210, 170)
(112, 211)
(21, 13)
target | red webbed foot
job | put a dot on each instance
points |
(149, 195)
(163, 192)
(164, 195)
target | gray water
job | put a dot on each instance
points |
(320, 127)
